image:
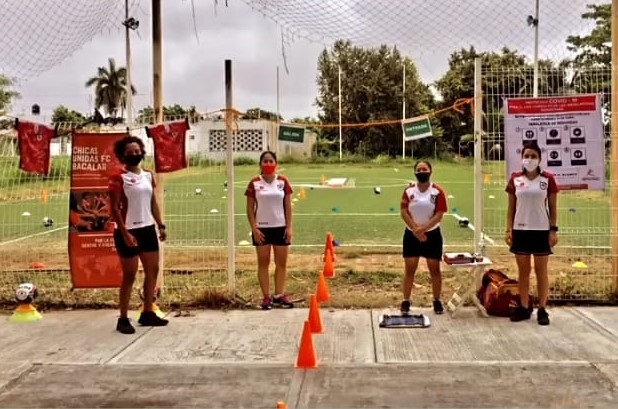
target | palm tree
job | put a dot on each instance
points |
(110, 88)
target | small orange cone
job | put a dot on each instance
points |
(44, 196)
(322, 293)
(307, 357)
(329, 269)
(329, 247)
(303, 193)
(315, 320)
(282, 405)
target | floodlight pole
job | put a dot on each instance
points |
(614, 144)
(403, 115)
(340, 126)
(535, 87)
(129, 96)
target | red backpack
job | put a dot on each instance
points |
(499, 294)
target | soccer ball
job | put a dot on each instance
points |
(47, 221)
(198, 191)
(26, 293)
(377, 190)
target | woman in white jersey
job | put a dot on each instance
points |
(135, 211)
(422, 206)
(531, 228)
(269, 210)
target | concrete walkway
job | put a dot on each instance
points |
(245, 359)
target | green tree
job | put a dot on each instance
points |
(371, 90)
(7, 94)
(65, 115)
(170, 113)
(593, 49)
(504, 74)
(110, 88)
(259, 113)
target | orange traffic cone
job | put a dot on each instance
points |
(307, 357)
(322, 293)
(329, 247)
(303, 193)
(315, 320)
(329, 269)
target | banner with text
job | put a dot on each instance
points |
(92, 253)
(569, 131)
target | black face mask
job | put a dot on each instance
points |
(133, 160)
(422, 177)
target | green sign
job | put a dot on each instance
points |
(291, 133)
(416, 128)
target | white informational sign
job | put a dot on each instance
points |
(569, 131)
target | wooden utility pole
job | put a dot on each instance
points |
(157, 92)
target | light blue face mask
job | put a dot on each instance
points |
(530, 164)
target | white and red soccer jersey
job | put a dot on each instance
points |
(269, 200)
(422, 206)
(169, 145)
(531, 210)
(136, 192)
(34, 146)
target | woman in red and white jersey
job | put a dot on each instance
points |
(531, 228)
(269, 210)
(422, 206)
(135, 211)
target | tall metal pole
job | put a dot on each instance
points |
(478, 158)
(231, 235)
(278, 114)
(340, 127)
(614, 142)
(157, 91)
(403, 115)
(535, 89)
(129, 97)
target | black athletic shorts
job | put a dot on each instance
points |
(147, 241)
(272, 235)
(531, 242)
(429, 249)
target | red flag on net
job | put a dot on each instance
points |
(169, 145)
(33, 141)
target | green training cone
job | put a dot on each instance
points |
(25, 313)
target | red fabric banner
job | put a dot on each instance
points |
(92, 253)
(33, 141)
(169, 145)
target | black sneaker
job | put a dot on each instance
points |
(124, 326)
(150, 319)
(520, 314)
(437, 307)
(542, 317)
(283, 301)
(405, 307)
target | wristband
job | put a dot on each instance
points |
(553, 228)
(161, 226)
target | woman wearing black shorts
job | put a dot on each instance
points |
(136, 212)
(423, 205)
(269, 210)
(531, 228)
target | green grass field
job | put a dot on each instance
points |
(356, 216)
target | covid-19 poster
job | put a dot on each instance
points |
(569, 131)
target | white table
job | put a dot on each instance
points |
(469, 287)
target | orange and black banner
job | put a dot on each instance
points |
(92, 254)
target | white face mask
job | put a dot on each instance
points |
(530, 164)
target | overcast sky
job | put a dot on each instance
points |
(193, 63)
